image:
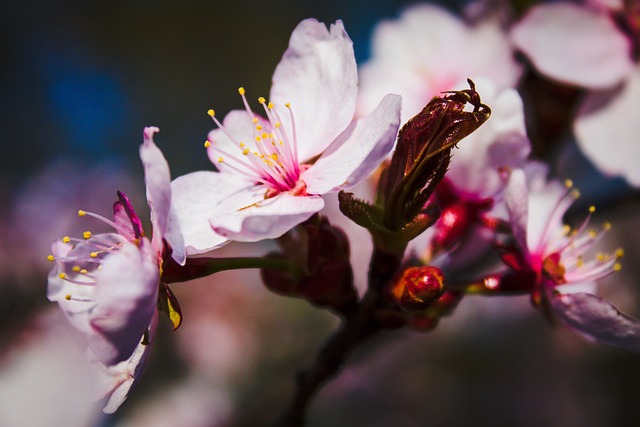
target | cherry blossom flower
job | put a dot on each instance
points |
(550, 258)
(427, 51)
(583, 45)
(274, 169)
(107, 284)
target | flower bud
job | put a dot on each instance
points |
(418, 287)
(423, 152)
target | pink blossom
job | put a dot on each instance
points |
(583, 45)
(107, 284)
(551, 259)
(274, 168)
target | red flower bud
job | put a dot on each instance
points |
(417, 288)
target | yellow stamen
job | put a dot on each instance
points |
(288, 105)
(83, 271)
(241, 90)
(67, 297)
(220, 160)
(592, 209)
(207, 144)
(606, 226)
(575, 193)
(619, 253)
(566, 229)
(261, 100)
(62, 276)
(81, 213)
(568, 183)
(211, 113)
(93, 254)
(255, 120)
(76, 268)
(86, 235)
(245, 151)
(51, 258)
(66, 239)
(278, 124)
(593, 234)
(270, 105)
(617, 266)
(258, 127)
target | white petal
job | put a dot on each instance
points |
(267, 219)
(157, 179)
(598, 320)
(357, 152)
(574, 44)
(607, 130)
(126, 294)
(318, 76)
(199, 196)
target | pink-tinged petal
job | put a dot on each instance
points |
(199, 196)
(126, 218)
(267, 219)
(357, 152)
(517, 203)
(175, 239)
(574, 44)
(125, 299)
(607, 130)
(158, 181)
(115, 382)
(318, 76)
(597, 320)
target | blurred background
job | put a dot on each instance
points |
(80, 80)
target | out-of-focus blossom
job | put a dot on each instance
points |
(107, 284)
(550, 258)
(190, 403)
(428, 51)
(583, 45)
(45, 379)
(273, 171)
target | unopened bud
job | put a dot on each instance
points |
(418, 287)
(423, 152)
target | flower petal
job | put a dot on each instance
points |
(158, 181)
(358, 151)
(318, 76)
(267, 219)
(115, 382)
(125, 296)
(199, 196)
(598, 320)
(574, 44)
(517, 203)
(607, 130)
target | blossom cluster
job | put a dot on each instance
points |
(437, 137)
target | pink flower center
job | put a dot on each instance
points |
(271, 158)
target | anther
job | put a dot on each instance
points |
(66, 239)
(258, 127)
(211, 113)
(83, 271)
(67, 297)
(617, 266)
(93, 254)
(261, 100)
(255, 120)
(606, 226)
(241, 90)
(270, 105)
(207, 144)
(220, 160)
(81, 213)
(575, 193)
(76, 269)
(86, 235)
(51, 258)
(592, 209)
(62, 276)
(288, 105)
(568, 183)
(619, 253)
